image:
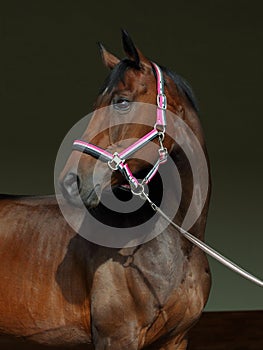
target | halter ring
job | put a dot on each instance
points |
(160, 128)
(139, 190)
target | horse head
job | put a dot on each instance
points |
(125, 111)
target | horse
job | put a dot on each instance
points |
(58, 288)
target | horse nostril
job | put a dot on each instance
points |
(71, 184)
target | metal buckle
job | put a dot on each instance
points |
(115, 162)
(162, 101)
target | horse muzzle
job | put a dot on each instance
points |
(79, 192)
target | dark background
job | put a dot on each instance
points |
(51, 72)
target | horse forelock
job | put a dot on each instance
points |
(117, 75)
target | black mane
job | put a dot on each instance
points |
(183, 86)
(118, 73)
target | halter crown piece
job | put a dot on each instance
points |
(117, 161)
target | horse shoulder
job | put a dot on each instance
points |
(34, 241)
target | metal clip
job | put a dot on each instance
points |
(153, 205)
(163, 154)
(161, 138)
(115, 162)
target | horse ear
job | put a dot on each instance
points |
(131, 51)
(129, 47)
(108, 58)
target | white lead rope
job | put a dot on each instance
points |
(203, 246)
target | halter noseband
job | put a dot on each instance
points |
(117, 161)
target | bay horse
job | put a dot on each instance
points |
(58, 288)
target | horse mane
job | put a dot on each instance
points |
(183, 86)
(118, 72)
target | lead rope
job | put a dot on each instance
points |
(203, 246)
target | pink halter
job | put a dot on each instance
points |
(117, 161)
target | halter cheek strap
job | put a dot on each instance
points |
(117, 161)
(161, 98)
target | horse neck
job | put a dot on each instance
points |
(179, 158)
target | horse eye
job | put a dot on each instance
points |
(121, 104)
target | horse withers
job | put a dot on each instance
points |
(59, 288)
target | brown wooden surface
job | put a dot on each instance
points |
(242, 330)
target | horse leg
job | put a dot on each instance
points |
(114, 327)
(174, 344)
(122, 339)
(106, 344)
